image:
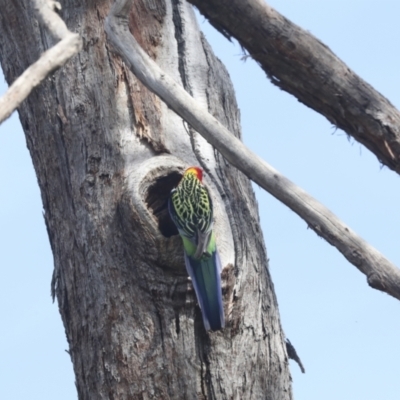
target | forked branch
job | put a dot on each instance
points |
(380, 272)
(70, 44)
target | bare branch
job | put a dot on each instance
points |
(300, 64)
(49, 61)
(380, 272)
(45, 10)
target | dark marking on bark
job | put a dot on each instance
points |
(181, 43)
(144, 109)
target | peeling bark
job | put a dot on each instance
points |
(106, 153)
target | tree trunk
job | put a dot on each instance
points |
(107, 152)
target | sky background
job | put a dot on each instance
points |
(346, 333)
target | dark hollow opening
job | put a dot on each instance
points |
(157, 202)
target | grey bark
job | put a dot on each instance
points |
(300, 64)
(106, 153)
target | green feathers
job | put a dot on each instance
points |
(192, 208)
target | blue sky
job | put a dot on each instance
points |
(345, 332)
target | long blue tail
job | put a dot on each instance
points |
(206, 278)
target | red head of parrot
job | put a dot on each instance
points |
(198, 172)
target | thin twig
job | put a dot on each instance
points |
(49, 61)
(380, 272)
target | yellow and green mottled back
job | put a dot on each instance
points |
(191, 205)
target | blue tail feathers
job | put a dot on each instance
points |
(206, 278)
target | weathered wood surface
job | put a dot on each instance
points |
(300, 64)
(106, 153)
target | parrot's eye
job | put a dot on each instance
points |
(157, 202)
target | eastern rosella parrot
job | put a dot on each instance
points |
(191, 209)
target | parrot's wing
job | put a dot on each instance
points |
(199, 238)
(203, 238)
(203, 234)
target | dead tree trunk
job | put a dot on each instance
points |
(107, 153)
